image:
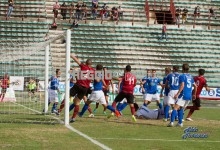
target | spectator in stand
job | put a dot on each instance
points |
(184, 15)
(164, 32)
(178, 12)
(115, 14)
(74, 24)
(72, 6)
(212, 13)
(54, 25)
(56, 7)
(197, 11)
(63, 10)
(104, 12)
(94, 2)
(84, 10)
(95, 10)
(78, 11)
(120, 12)
(10, 8)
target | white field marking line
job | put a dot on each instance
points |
(88, 138)
(73, 129)
(133, 139)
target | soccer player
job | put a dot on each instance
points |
(105, 90)
(200, 82)
(31, 87)
(129, 82)
(172, 82)
(97, 94)
(152, 94)
(79, 90)
(54, 90)
(166, 91)
(146, 113)
(184, 95)
(4, 85)
(143, 83)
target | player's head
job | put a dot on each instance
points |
(185, 68)
(58, 72)
(128, 68)
(175, 68)
(105, 68)
(148, 72)
(89, 62)
(167, 70)
(153, 72)
(99, 67)
(201, 72)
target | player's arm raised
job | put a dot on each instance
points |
(75, 59)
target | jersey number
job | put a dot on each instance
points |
(175, 81)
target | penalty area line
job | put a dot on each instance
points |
(165, 140)
(72, 129)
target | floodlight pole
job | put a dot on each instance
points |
(67, 82)
(46, 78)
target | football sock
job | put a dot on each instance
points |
(71, 107)
(109, 107)
(166, 111)
(173, 115)
(123, 106)
(76, 110)
(180, 115)
(85, 107)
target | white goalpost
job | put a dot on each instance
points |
(25, 60)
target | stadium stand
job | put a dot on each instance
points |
(116, 45)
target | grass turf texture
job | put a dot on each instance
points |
(35, 131)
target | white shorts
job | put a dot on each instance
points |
(165, 100)
(53, 95)
(97, 96)
(152, 97)
(171, 95)
(182, 103)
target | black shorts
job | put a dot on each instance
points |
(106, 92)
(89, 91)
(32, 91)
(128, 96)
(3, 90)
(197, 102)
(79, 90)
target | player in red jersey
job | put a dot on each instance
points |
(105, 90)
(200, 82)
(79, 89)
(4, 85)
(129, 82)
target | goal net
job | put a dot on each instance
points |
(22, 75)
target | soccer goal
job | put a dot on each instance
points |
(25, 68)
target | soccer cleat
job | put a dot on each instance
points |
(179, 125)
(79, 114)
(57, 113)
(134, 118)
(104, 112)
(183, 120)
(91, 116)
(72, 120)
(117, 113)
(54, 111)
(189, 119)
(170, 124)
(164, 119)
